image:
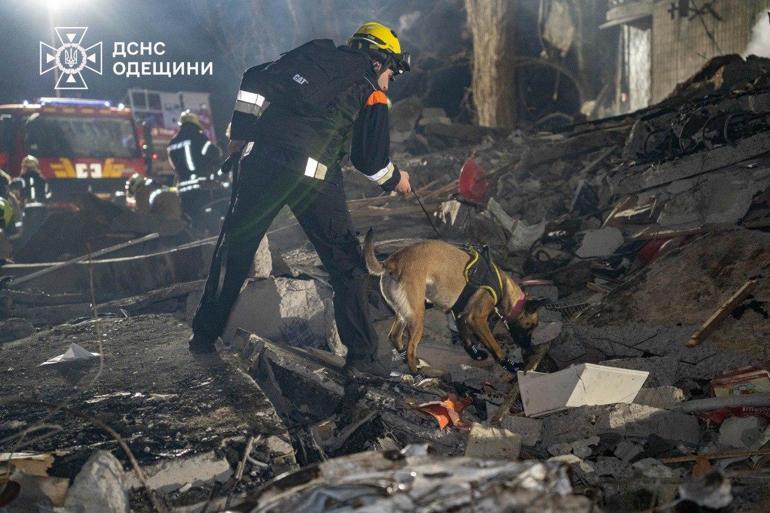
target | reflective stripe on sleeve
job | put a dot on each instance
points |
(188, 157)
(205, 147)
(383, 175)
(250, 103)
(315, 169)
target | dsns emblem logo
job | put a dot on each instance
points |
(71, 58)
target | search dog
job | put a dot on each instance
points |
(435, 270)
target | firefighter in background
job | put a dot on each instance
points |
(190, 152)
(149, 197)
(295, 119)
(8, 199)
(5, 184)
(31, 186)
(6, 222)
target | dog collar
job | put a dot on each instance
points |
(516, 309)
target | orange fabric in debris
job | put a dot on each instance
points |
(447, 411)
(376, 97)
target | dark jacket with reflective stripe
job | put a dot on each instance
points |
(191, 153)
(34, 186)
(358, 113)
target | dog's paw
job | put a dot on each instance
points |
(510, 365)
(476, 352)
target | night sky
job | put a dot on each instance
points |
(24, 24)
(192, 31)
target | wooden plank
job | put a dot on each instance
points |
(722, 455)
(723, 311)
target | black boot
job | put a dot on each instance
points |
(475, 352)
(202, 344)
(510, 365)
(371, 366)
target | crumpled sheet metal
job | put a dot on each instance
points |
(390, 482)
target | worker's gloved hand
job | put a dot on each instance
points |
(403, 186)
(228, 164)
(235, 146)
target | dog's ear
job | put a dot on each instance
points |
(531, 305)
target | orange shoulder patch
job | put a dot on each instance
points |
(375, 98)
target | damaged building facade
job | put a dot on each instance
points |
(663, 43)
(640, 229)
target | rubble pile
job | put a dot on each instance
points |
(647, 389)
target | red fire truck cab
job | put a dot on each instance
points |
(82, 145)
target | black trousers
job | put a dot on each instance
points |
(269, 179)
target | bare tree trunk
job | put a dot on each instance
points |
(491, 23)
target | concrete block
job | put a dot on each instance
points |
(546, 332)
(247, 345)
(743, 433)
(580, 448)
(333, 340)
(282, 457)
(627, 450)
(488, 442)
(600, 243)
(719, 199)
(99, 486)
(530, 430)
(263, 261)
(171, 475)
(610, 466)
(660, 397)
(580, 385)
(523, 235)
(653, 469)
(567, 349)
(626, 420)
(281, 309)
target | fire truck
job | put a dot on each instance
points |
(82, 145)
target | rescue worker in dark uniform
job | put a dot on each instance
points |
(294, 119)
(5, 182)
(190, 152)
(33, 188)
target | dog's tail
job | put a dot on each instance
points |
(372, 264)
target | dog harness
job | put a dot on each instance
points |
(480, 273)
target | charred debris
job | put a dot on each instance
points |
(648, 389)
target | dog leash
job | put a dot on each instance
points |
(427, 215)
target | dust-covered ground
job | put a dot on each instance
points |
(163, 400)
(687, 285)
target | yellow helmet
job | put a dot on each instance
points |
(6, 213)
(376, 36)
(30, 162)
(190, 117)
